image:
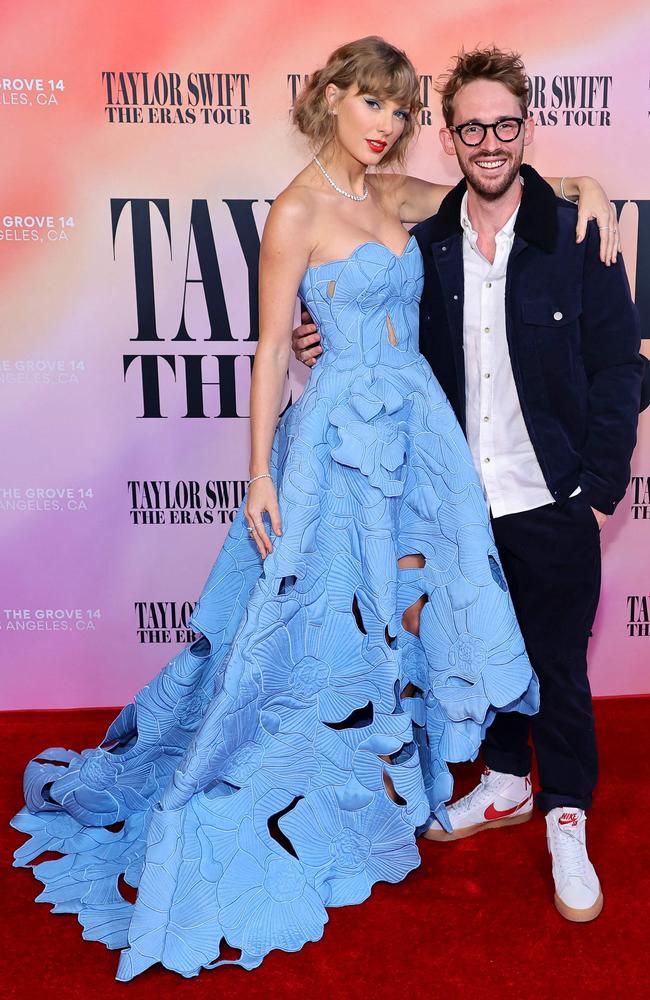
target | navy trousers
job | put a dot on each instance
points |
(551, 560)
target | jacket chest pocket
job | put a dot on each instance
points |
(554, 324)
(551, 312)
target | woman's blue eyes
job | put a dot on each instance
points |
(375, 104)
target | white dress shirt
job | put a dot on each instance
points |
(501, 448)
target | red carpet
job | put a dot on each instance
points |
(476, 920)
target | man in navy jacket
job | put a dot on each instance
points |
(573, 338)
(536, 344)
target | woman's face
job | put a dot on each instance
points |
(367, 126)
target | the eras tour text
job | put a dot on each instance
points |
(171, 99)
(163, 622)
(185, 501)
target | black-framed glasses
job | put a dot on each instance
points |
(474, 133)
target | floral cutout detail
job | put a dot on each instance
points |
(371, 438)
(347, 851)
(392, 336)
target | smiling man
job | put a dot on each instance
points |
(536, 344)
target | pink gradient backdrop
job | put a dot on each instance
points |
(72, 301)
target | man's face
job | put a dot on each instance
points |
(493, 166)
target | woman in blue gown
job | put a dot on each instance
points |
(357, 634)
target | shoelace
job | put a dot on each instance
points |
(482, 789)
(571, 850)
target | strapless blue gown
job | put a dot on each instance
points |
(244, 789)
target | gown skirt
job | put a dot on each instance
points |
(285, 761)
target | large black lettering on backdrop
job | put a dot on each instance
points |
(219, 329)
(193, 370)
(642, 274)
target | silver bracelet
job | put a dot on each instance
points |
(566, 198)
(265, 475)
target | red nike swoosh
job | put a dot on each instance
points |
(492, 813)
(568, 822)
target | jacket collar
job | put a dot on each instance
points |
(536, 219)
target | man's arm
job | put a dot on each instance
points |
(610, 350)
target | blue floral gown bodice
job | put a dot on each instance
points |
(284, 762)
(362, 301)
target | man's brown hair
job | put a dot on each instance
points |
(483, 64)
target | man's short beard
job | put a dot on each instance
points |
(492, 193)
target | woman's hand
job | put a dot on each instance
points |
(261, 497)
(594, 204)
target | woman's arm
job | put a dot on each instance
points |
(418, 200)
(414, 198)
(284, 254)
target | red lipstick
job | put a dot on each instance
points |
(376, 145)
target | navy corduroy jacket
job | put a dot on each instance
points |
(573, 336)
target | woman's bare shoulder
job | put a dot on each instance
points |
(298, 201)
(291, 221)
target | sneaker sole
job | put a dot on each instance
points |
(579, 916)
(469, 831)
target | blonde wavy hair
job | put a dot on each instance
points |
(375, 67)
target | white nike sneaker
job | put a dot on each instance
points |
(499, 800)
(578, 895)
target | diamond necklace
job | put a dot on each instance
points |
(352, 197)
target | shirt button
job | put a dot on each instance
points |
(557, 315)
(487, 375)
(488, 284)
(486, 329)
(485, 419)
(486, 459)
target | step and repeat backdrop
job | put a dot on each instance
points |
(142, 147)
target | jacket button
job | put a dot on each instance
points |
(443, 249)
(455, 298)
(557, 315)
